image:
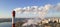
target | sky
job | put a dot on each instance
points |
(7, 6)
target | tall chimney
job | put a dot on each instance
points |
(13, 18)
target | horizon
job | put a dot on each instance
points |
(31, 17)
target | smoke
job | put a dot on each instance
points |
(57, 7)
(29, 23)
(18, 10)
(41, 10)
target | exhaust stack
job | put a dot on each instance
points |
(13, 18)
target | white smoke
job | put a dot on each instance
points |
(42, 11)
(57, 7)
(29, 23)
(34, 9)
(18, 10)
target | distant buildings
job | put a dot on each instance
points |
(47, 22)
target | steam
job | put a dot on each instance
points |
(42, 11)
(57, 7)
(29, 23)
(18, 10)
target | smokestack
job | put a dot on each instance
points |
(13, 18)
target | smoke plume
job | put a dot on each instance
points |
(41, 10)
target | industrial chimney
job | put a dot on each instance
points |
(13, 18)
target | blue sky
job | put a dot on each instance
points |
(6, 6)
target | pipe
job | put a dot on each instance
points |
(13, 19)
